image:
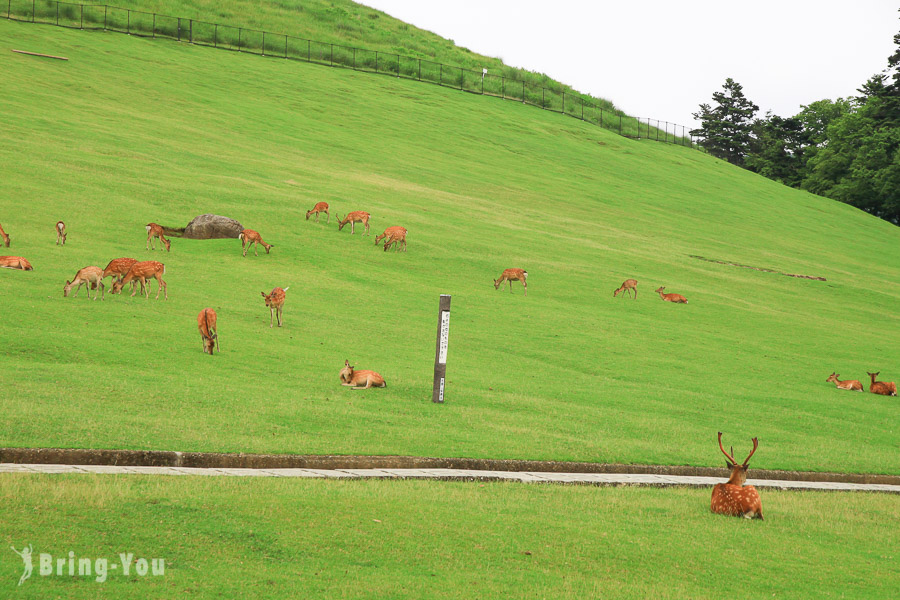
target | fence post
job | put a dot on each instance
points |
(620, 124)
(582, 108)
(482, 84)
(191, 30)
(420, 69)
(543, 98)
(523, 91)
(564, 103)
(308, 43)
(179, 29)
(354, 58)
(440, 352)
(285, 46)
(666, 140)
(240, 33)
(57, 14)
(32, 11)
(128, 24)
(376, 61)
(105, 10)
(502, 87)
(331, 59)
(82, 15)
(215, 36)
(398, 66)
(8, 9)
(460, 78)
(264, 44)
(154, 24)
(441, 80)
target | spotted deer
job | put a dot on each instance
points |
(629, 285)
(15, 262)
(511, 275)
(275, 302)
(318, 208)
(734, 498)
(883, 388)
(156, 231)
(206, 323)
(118, 268)
(676, 298)
(360, 380)
(847, 384)
(60, 233)
(394, 235)
(249, 237)
(357, 216)
(92, 277)
(142, 271)
(4, 236)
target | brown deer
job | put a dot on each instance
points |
(883, 388)
(629, 285)
(4, 236)
(249, 237)
(15, 262)
(142, 271)
(156, 231)
(394, 235)
(847, 384)
(511, 275)
(118, 268)
(676, 298)
(360, 380)
(92, 277)
(357, 216)
(206, 323)
(275, 302)
(734, 498)
(318, 208)
(60, 233)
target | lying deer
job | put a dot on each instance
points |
(883, 388)
(156, 231)
(318, 208)
(4, 236)
(357, 216)
(249, 237)
(15, 262)
(394, 235)
(206, 323)
(360, 380)
(511, 275)
(847, 384)
(677, 298)
(60, 233)
(92, 277)
(275, 302)
(142, 271)
(118, 268)
(735, 498)
(629, 285)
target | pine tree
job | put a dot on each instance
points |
(726, 128)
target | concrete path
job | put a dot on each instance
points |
(451, 475)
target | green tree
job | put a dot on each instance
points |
(777, 147)
(726, 128)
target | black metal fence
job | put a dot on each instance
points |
(240, 39)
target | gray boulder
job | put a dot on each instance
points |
(207, 227)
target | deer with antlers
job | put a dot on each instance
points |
(248, 238)
(394, 235)
(15, 262)
(206, 323)
(275, 302)
(60, 233)
(847, 384)
(92, 277)
(4, 236)
(142, 271)
(676, 298)
(734, 498)
(629, 285)
(511, 275)
(156, 231)
(357, 216)
(360, 380)
(883, 388)
(319, 208)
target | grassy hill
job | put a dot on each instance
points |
(130, 131)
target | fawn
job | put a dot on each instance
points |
(156, 231)
(249, 237)
(735, 498)
(629, 285)
(357, 216)
(511, 275)
(60, 233)
(92, 277)
(206, 323)
(847, 384)
(275, 302)
(676, 298)
(318, 208)
(118, 268)
(148, 269)
(394, 235)
(15, 262)
(360, 380)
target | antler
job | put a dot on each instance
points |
(755, 444)
(728, 456)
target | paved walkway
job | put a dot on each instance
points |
(452, 474)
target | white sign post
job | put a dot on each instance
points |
(440, 353)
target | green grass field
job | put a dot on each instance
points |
(130, 131)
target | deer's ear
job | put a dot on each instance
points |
(263, 294)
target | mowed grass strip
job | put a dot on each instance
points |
(130, 131)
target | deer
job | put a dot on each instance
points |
(92, 277)
(360, 380)
(4, 236)
(156, 231)
(206, 323)
(883, 388)
(249, 237)
(511, 275)
(142, 271)
(394, 235)
(357, 216)
(847, 384)
(118, 268)
(676, 298)
(15, 262)
(629, 285)
(60, 233)
(275, 302)
(318, 208)
(734, 498)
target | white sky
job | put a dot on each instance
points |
(662, 58)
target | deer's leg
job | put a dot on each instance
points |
(271, 316)
(280, 317)
(164, 287)
(509, 281)
(327, 217)
(352, 223)
(525, 285)
(102, 290)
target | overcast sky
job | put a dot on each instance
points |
(661, 59)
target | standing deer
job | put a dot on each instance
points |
(15, 262)
(142, 271)
(847, 384)
(676, 298)
(734, 498)
(511, 275)
(275, 302)
(249, 237)
(357, 216)
(629, 285)
(360, 380)
(156, 231)
(92, 277)
(319, 207)
(206, 323)
(4, 236)
(60, 233)
(118, 268)
(394, 235)
(883, 388)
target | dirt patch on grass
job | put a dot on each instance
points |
(763, 269)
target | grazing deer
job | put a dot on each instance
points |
(511, 275)
(847, 384)
(629, 285)
(394, 235)
(734, 498)
(92, 277)
(360, 380)
(4, 236)
(677, 298)
(118, 268)
(357, 216)
(156, 231)
(15, 262)
(249, 237)
(206, 323)
(319, 207)
(884, 388)
(275, 302)
(142, 271)
(60, 233)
